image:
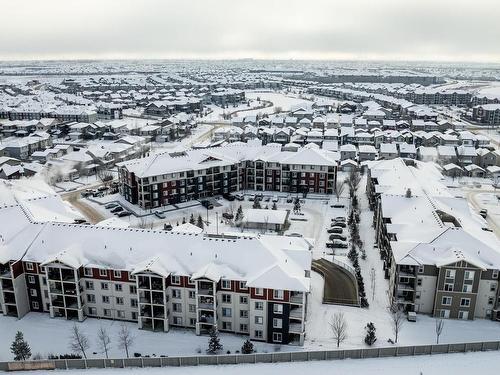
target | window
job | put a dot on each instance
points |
(277, 308)
(107, 312)
(35, 305)
(420, 269)
(259, 291)
(104, 286)
(277, 323)
(277, 337)
(244, 314)
(119, 300)
(227, 326)
(419, 282)
(278, 294)
(493, 287)
(176, 293)
(448, 287)
(259, 320)
(105, 299)
(259, 305)
(31, 279)
(192, 294)
(176, 280)
(89, 285)
(444, 314)
(29, 266)
(192, 308)
(42, 270)
(465, 302)
(226, 298)
(33, 292)
(490, 300)
(103, 272)
(133, 302)
(226, 284)
(469, 275)
(177, 320)
(258, 334)
(177, 307)
(192, 321)
(446, 301)
(243, 300)
(117, 274)
(132, 289)
(87, 272)
(494, 274)
(131, 277)
(243, 284)
(92, 311)
(90, 298)
(450, 274)
(243, 327)
(467, 288)
(226, 311)
(463, 315)
(134, 315)
(118, 287)
(120, 314)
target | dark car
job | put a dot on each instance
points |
(80, 221)
(338, 237)
(335, 230)
(123, 213)
(229, 197)
(339, 245)
(207, 204)
(339, 218)
(337, 206)
(227, 215)
(117, 209)
(167, 227)
(111, 205)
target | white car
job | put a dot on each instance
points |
(275, 198)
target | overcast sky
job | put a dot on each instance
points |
(450, 30)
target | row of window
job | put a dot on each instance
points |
(447, 301)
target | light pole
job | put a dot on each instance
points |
(217, 223)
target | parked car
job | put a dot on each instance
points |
(117, 209)
(80, 221)
(228, 196)
(160, 215)
(239, 197)
(123, 213)
(251, 197)
(109, 206)
(335, 230)
(267, 198)
(167, 227)
(337, 237)
(207, 204)
(275, 198)
(340, 224)
(227, 215)
(339, 218)
(289, 199)
(102, 188)
(329, 245)
(337, 206)
(339, 244)
(483, 213)
(294, 235)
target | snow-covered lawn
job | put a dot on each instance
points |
(46, 335)
(487, 363)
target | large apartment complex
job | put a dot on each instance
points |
(253, 285)
(438, 258)
(169, 178)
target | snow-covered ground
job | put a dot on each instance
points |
(486, 362)
(46, 335)
(278, 99)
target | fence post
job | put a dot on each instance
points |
(448, 348)
(397, 351)
(85, 361)
(103, 363)
(482, 346)
(66, 363)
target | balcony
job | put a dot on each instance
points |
(296, 313)
(295, 328)
(296, 298)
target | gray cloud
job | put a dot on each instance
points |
(383, 29)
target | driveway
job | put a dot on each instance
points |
(340, 286)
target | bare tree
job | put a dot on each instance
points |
(338, 326)
(439, 329)
(104, 341)
(373, 281)
(339, 188)
(79, 342)
(397, 320)
(125, 338)
(353, 181)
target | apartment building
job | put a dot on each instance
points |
(436, 256)
(170, 178)
(487, 114)
(253, 285)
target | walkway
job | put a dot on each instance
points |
(340, 286)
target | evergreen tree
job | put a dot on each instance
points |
(199, 223)
(239, 214)
(247, 347)
(191, 220)
(256, 204)
(20, 348)
(275, 207)
(296, 205)
(214, 345)
(183, 220)
(370, 337)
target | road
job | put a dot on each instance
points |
(91, 214)
(340, 286)
(471, 197)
